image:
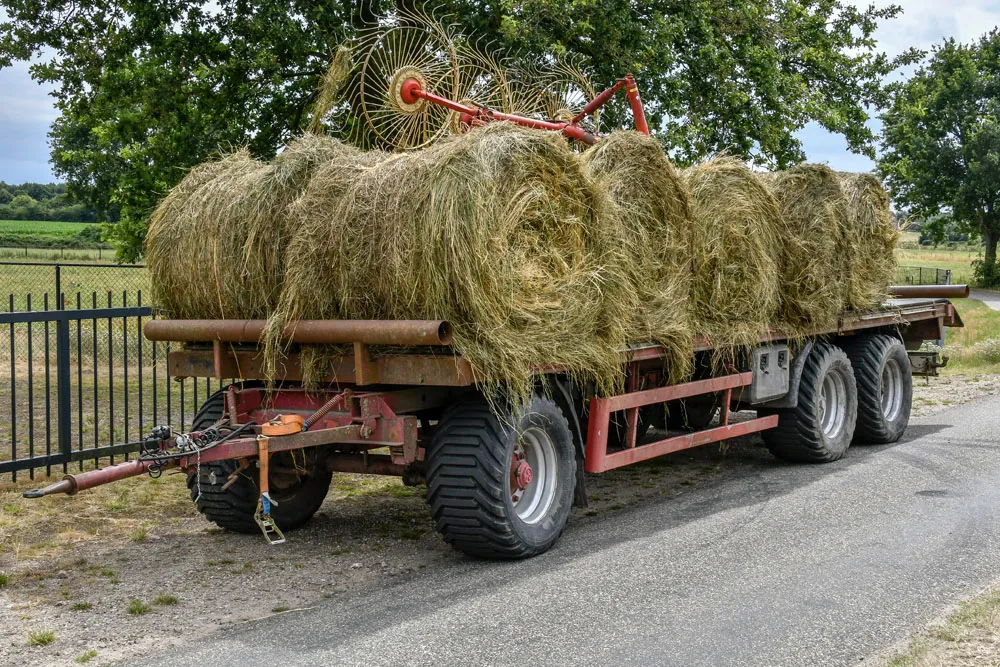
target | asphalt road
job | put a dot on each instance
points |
(990, 298)
(792, 565)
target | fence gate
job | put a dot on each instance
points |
(82, 385)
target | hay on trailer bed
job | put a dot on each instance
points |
(870, 221)
(498, 230)
(737, 244)
(215, 245)
(816, 250)
(651, 213)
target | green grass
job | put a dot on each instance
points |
(165, 600)
(49, 234)
(959, 260)
(86, 656)
(81, 606)
(41, 637)
(965, 637)
(138, 608)
(43, 227)
(976, 346)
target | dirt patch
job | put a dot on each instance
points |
(75, 566)
(937, 394)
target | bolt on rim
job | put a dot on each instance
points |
(533, 471)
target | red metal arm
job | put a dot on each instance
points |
(631, 91)
(411, 92)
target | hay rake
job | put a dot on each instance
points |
(419, 80)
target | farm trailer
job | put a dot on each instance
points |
(502, 486)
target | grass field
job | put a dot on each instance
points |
(49, 234)
(958, 260)
(42, 227)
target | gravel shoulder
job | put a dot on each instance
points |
(75, 565)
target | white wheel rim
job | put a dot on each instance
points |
(832, 397)
(892, 390)
(534, 447)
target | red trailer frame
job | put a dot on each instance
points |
(374, 401)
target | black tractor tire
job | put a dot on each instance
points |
(234, 508)
(820, 428)
(470, 479)
(885, 388)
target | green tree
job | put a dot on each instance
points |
(941, 141)
(145, 90)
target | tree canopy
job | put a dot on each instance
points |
(145, 90)
(941, 141)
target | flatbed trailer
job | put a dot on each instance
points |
(401, 402)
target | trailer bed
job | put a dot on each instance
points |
(920, 319)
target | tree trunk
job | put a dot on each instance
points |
(988, 275)
(990, 238)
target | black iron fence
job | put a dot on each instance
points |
(923, 275)
(78, 382)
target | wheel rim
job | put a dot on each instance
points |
(532, 500)
(892, 390)
(832, 396)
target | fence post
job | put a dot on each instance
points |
(63, 388)
(59, 300)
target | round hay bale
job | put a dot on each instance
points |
(215, 245)
(815, 256)
(653, 218)
(874, 263)
(498, 231)
(736, 245)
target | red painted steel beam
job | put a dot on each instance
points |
(637, 399)
(930, 291)
(681, 442)
(599, 419)
(599, 101)
(316, 332)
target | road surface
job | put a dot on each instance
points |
(793, 565)
(991, 299)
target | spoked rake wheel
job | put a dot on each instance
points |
(413, 48)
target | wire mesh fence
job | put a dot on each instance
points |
(923, 275)
(36, 280)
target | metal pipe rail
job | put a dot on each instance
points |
(314, 332)
(930, 291)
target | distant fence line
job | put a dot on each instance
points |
(923, 275)
(52, 252)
